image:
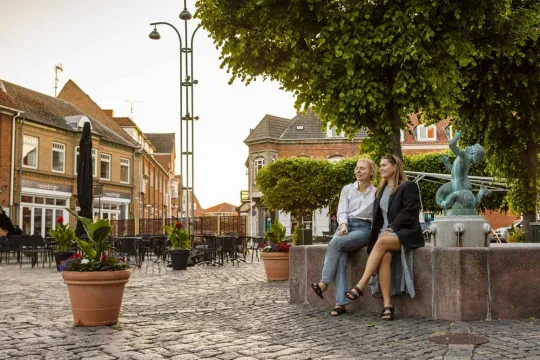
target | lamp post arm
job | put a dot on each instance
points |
(180, 150)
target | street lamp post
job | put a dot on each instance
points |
(187, 144)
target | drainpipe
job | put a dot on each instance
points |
(12, 170)
(21, 121)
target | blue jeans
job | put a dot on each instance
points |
(335, 261)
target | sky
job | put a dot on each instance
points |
(104, 48)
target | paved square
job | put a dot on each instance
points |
(225, 313)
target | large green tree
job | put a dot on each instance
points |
(360, 63)
(501, 110)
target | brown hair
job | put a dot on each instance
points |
(399, 174)
(371, 166)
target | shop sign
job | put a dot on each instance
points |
(116, 195)
(45, 186)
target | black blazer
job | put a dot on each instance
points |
(403, 211)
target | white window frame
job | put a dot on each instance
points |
(94, 158)
(127, 163)
(401, 135)
(450, 132)
(419, 136)
(258, 163)
(28, 137)
(108, 159)
(60, 148)
(335, 158)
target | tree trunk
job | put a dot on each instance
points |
(530, 186)
(395, 138)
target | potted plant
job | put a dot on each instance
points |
(180, 245)
(276, 255)
(95, 280)
(64, 238)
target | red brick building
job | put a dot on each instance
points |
(276, 137)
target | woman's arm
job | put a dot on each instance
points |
(411, 206)
(343, 206)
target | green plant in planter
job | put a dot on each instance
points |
(178, 236)
(97, 255)
(275, 236)
(62, 234)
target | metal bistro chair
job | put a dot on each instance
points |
(258, 243)
(128, 247)
(229, 249)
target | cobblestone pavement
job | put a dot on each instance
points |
(225, 313)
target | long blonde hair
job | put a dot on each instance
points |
(399, 174)
(371, 166)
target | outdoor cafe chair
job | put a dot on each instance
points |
(257, 244)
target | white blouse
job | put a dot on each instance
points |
(355, 204)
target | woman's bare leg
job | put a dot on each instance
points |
(385, 278)
(384, 244)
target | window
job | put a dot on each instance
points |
(30, 151)
(401, 135)
(58, 157)
(105, 167)
(426, 133)
(449, 131)
(94, 165)
(124, 170)
(332, 132)
(335, 158)
(257, 164)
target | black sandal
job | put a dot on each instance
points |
(352, 296)
(338, 310)
(388, 316)
(317, 289)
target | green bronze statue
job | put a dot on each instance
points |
(457, 196)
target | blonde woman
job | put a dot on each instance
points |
(355, 212)
(395, 228)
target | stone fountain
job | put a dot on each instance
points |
(460, 226)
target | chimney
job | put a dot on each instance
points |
(109, 113)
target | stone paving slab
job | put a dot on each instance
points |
(227, 313)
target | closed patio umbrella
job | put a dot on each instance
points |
(85, 179)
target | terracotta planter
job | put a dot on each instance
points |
(276, 265)
(96, 296)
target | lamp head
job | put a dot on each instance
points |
(154, 35)
(185, 15)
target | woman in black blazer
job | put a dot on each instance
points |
(395, 224)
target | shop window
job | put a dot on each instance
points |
(428, 133)
(105, 167)
(30, 151)
(94, 164)
(58, 157)
(124, 170)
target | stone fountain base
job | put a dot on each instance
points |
(460, 231)
(457, 284)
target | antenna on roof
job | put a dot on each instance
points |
(131, 102)
(57, 67)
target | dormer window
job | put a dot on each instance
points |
(299, 127)
(426, 133)
(331, 132)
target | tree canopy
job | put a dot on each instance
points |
(296, 185)
(359, 63)
(501, 107)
